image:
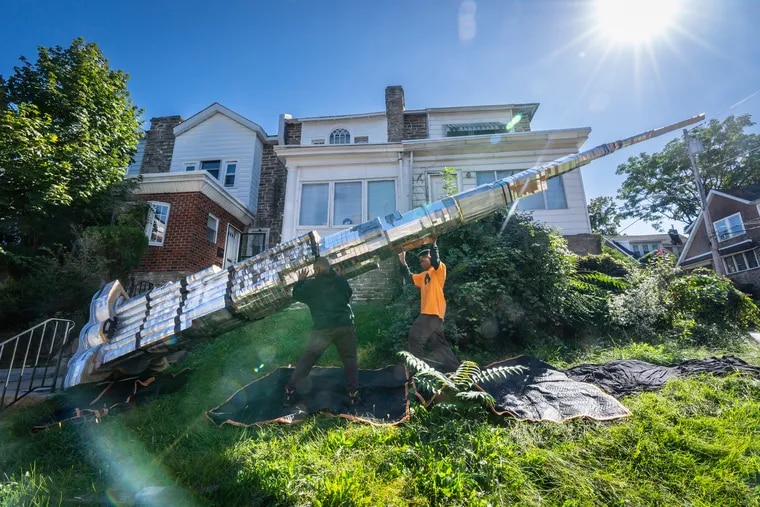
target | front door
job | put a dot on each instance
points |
(232, 246)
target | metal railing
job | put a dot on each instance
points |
(31, 360)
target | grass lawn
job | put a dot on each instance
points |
(696, 442)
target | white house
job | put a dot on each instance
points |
(343, 170)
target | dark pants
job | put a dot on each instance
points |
(430, 328)
(344, 339)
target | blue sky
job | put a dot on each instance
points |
(312, 58)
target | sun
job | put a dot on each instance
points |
(635, 22)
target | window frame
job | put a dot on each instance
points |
(219, 170)
(728, 228)
(227, 164)
(189, 166)
(215, 229)
(744, 254)
(543, 193)
(344, 134)
(150, 220)
(331, 201)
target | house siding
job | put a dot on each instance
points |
(185, 249)
(221, 138)
(374, 128)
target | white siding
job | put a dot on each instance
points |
(573, 220)
(374, 127)
(436, 121)
(221, 138)
(133, 169)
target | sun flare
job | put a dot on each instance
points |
(635, 21)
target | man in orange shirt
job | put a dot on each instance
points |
(429, 324)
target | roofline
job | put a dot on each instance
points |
(547, 135)
(532, 106)
(692, 235)
(213, 109)
(729, 196)
(196, 181)
(339, 117)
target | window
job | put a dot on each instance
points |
(229, 176)
(212, 166)
(345, 203)
(158, 218)
(742, 261)
(644, 248)
(317, 141)
(553, 198)
(189, 167)
(729, 227)
(253, 243)
(340, 136)
(314, 200)
(212, 227)
(474, 129)
(361, 140)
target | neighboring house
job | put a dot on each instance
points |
(736, 218)
(216, 190)
(639, 246)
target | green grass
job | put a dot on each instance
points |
(696, 442)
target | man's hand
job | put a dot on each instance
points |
(303, 274)
(402, 258)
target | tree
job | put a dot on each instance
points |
(604, 216)
(68, 128)
(661, 186)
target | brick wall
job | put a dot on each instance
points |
(292, 132)
(186, 249)
(394, 113)
(379, 284)
(271, 194)
(159, 145)
(416, 126)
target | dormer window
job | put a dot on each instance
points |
(474, 129)
(340, 136)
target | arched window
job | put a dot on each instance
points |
(340, 136)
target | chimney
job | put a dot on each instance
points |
(394, 113)
(159, 144)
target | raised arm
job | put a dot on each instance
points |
(435, 259)
(406, 273)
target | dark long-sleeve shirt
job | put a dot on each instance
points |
(327, 297)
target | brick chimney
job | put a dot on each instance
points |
(394, 113)
(159, 144)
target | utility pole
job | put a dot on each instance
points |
(694, 146)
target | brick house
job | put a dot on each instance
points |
(216, 191)
(736, 217)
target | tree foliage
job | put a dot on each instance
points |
(661, 185)
(68, 128)
(604, 216)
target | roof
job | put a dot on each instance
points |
(528, 109)
(749, 193)
(217, 108)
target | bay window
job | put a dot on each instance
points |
(345, 203)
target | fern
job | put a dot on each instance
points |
(462, 383)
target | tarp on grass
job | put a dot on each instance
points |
(624, 377)
(384, 394)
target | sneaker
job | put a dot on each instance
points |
(354, 398)
(289, 397)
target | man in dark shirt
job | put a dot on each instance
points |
(327, 296)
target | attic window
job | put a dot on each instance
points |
(361, 139)
(474, 129)
(340, 136)
(317, 141)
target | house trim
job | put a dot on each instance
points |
(217, 108)
(194, 181)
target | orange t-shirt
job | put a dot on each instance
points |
(431, 283)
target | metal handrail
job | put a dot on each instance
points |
(50, 339)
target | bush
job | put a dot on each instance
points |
(604, 263)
